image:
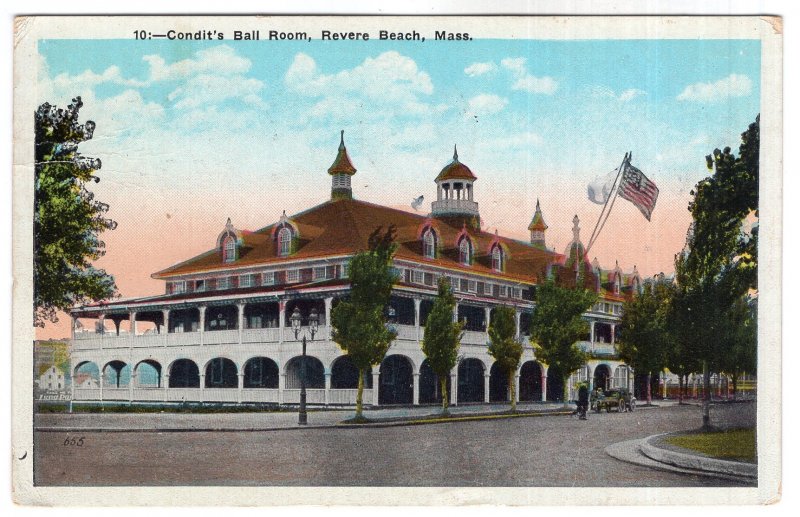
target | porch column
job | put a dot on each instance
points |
(202, 310)
(544, 382)
(132, 316)
(131, 383)
(240, 322)
(165, 315)
(454, 387)
(417, 303)
(281, 387)
(202, 386)
(416, 389)
(486, 379)
(516, 386)
(73, 322)
(102, 382)
(281, 320)
(630, 379)
(590, 377)
(327, 387)
(455, 313)
(613, 332)
(376, 377)
(101, 326)
(328, 305)
(664, 391)
(240, 386)
(165, 386)
(518, 321)
(591, 330)
(487, 311)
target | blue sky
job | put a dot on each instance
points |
(191, 133)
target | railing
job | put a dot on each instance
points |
(446, 205)
(598, 348)
(474, 337)
(219, 337)
(259, 395)
(408, 332)
(265, 335)
(313, 396)
(220, 395)
(148, 394)
(348, 397)
(87, 393)
(116, 393)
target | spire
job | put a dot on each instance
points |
(341, 170)
(576, 230)
(537, 227)
(455, 152)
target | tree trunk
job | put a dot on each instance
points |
(706, 396)
(734, 379)
(360, 394)
(565, 390)
(680, 389)
(512, 388)
(649, 378)
(445, 395)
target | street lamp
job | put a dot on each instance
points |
(313, 322)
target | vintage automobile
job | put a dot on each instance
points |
(620, 399)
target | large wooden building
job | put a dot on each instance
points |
(221, 331)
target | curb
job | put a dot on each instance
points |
(338, 425)
(696, 462)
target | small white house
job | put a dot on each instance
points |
(52, 379)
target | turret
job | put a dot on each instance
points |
(454, 194)
(341, 171)
(537, 228)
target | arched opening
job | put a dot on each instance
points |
(602, 377)
(116, 374)
(498, 384)
(148, 374)
(86, 375)
(315, 373)
(184, 373)
(261, 372)
(344, 375)
(429, 244)
(471, 380)
(555, 384)
(430, 389)
(530, 381)
(221, 373)
(396, 381)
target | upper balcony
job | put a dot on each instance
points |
(445, 206)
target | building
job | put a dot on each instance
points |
(221, 331)
(52, 380)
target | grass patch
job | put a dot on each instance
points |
(739, 444)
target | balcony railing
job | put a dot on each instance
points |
(597, 348)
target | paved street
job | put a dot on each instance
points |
(534, 451)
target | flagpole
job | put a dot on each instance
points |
(596, 232)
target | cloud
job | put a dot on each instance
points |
(476, 69)
(89, 79)
(625, 96)
(630, 94)
(213, 89)
(735, 85)
(486, 104)
(220, 60)
(524, 80)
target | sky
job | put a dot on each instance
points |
(191, 133)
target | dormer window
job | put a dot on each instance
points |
(497, 259)
(229, 249)
(284, 242)
(465, 252)
(429, 244)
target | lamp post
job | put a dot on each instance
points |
(313, 321)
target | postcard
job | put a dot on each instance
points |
(368, 260)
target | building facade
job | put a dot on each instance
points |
(221, 332)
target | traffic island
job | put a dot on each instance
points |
(449, 418)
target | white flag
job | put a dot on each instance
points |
(600, 188)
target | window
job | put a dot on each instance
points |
(268, 278)
(472, 286)
(465, 252)
(430, 279)
(292, 276)
(429, 244)
(497, 259)
(247, 281)
(200, 286)
(516, 293)
(503, 291)
(223, 282)
(345, 270)
(418, 277)
(229, 249)
(464, 285)
(320, 273)
(284, 242)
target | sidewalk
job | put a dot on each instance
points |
(267, 421)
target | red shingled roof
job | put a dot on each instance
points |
(455, 170)
(342, 227)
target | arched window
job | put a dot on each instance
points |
(284, 242)
(497, 258)
(229, 249)
(429, 244)
(617, 284)
(465, 252)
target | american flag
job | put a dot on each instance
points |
(636, 188)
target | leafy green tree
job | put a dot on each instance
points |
(719, 263)
(442, 337)
(67, 219)
(359, 322)
(646, 338)
(504, 346)
(742, 340)
(557, 325)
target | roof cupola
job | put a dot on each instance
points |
(341, 170)
(454, 194)
(537, 228)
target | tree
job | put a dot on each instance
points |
(504, 347)
(557, 325)
(359, 322)
(742, 340)
(719, 263)
(646, 338)
(67, 219)
(442, 337)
